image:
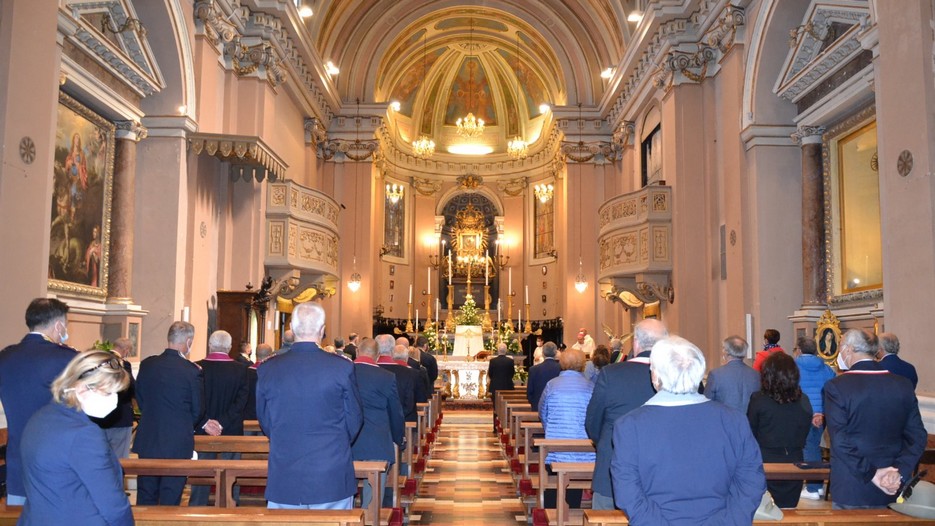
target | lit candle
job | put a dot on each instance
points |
(509, 289)
(527, 294)
(519, 323)
(185, 313)
(487, 268)
(410, 293)
(417, 321)
(429, 282)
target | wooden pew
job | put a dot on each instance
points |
(804, 517)
(199, 516)
(789, 471)
(566, 473)
(251, 425)
(552, 445)
(531, 431)
(224, 473)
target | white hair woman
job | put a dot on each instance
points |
(70, 472)
(688, 460)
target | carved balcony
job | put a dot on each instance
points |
(302, 231)
(635, 243)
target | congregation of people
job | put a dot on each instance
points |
(671, 446)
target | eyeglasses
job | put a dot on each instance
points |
(111, 363)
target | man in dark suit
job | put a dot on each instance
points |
(384, 423)
(889, 359)
(118, 426)
(619, 389)
(428, 361)
(27, 370)
(226, 396)
(170, 392)
(309, 407)
(539, 375)
(408, 381)
(500, 371)
(246, 349)
(877, 436)
(413, 362)
(351, 348)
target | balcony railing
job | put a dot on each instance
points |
(302, 229)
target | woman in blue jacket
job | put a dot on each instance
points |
(70, 472)
(813, 374)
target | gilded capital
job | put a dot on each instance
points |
(130, 130)
(808, 134)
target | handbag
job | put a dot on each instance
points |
(767, 510)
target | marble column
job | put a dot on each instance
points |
(813, 216)
(123, 210)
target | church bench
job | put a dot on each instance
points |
(516, 438)
(224, 473)
(789, 471)
(205, 516)
(531, 431)
(252, 425)
(500, 404)
(803, 517)
(553, 445)
(569, 474)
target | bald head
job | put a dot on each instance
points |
(368, 348)
(308, 322)
(288, 337)
(402, 340)
(401, 352)
(385, 344)
(123, 346)
(263, 351)
(647, 333)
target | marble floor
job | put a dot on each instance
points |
(467, 481)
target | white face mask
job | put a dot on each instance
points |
(98, 405)
(64, 334)
(841, 364)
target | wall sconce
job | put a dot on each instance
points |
(544, 192)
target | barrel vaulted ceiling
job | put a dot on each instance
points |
(500, 59)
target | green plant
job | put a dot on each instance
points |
(520, 374)
(105, 345)
(468, 314)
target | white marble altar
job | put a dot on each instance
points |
(469, 340)
(468, 380)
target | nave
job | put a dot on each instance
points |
(467, 481)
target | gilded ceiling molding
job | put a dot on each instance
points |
(240, 150)
(426, 187)
(470, 182)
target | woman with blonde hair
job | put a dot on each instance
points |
(70, 472)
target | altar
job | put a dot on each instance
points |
(469, 340)
(468, 379)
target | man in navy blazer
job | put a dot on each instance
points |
(170, 393)
(889, 359)
(500, 371)
(877, 436)
(428, 361)
(539, 375)
(226, 384)
(384, 424)
(27, 370)
(309, 406)
(408, 381)
(734, 382)
(619, 389)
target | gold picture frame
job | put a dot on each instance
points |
(828, 337)
(83, 181)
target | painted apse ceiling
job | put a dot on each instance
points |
(501, 61)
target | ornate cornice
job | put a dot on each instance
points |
(211, 22)
(239, 149)
(256, 61)
(130, 130)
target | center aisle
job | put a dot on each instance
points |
(467, 481)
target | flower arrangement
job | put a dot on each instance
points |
(520, 374)
(435, 344)
(468, 314)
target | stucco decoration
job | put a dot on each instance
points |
(241, 151)
(302, 230)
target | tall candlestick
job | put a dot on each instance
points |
(429, 282)
(519, 317)
(410, 293)
(509, 289)
(449, 266)
(487, 268)
(417, 321)
(438, 302)
(499, 303)
(527, 294)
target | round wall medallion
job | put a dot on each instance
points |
(203, 229)
(733, 237)
(27, 150)
(875, 162)
(904, 163)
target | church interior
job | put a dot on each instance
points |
(725, 166)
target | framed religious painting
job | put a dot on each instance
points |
(83, 176)
(395, 224)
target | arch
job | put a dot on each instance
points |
(170, 36)
(482, 190)
(766, 53)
